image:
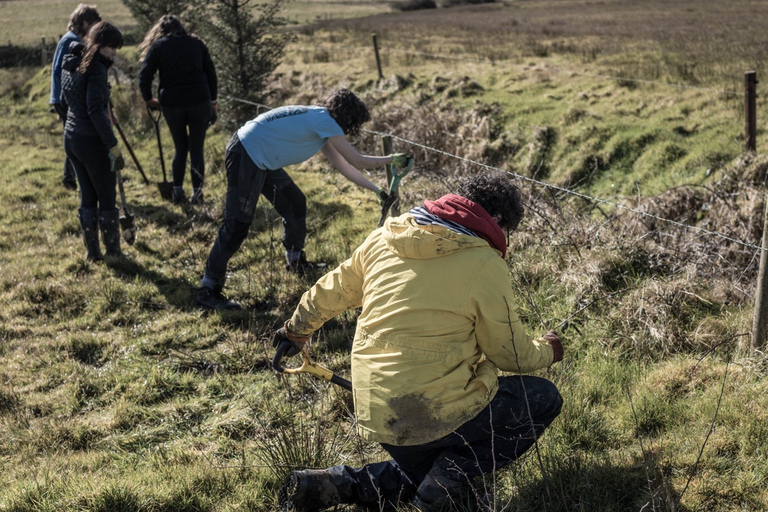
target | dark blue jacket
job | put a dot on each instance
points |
(187, 74)
(87, 97)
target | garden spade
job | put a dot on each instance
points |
(392, 192)
(165, 187)
(127, 145)
(307, 366)
(126, 218)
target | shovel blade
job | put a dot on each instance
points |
(128, 229)
(166, 190)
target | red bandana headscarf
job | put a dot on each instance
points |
(472, 216)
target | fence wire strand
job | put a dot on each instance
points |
(575, 193)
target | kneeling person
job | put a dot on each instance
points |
(437, 322)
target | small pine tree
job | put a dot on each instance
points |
(147, 12)
(244, 48)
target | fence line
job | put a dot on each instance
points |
(558, 188)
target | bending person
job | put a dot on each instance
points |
(89, 140)
(255, 158)
(81, 19)
(437, 322)
(186, 94)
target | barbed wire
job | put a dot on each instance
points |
(575, 193)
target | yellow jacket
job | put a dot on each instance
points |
(437, 321)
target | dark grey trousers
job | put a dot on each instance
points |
(497, 436)
(246, 182)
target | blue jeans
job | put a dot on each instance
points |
(246, 182)
(188, 126)
(496, 437)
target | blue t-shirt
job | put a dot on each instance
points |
(62, 49)
(287, 135)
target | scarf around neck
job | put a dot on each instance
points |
(472, 216)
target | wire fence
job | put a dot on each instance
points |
(558, 188)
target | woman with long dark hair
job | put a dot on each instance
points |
(89, 140)
(186, 94)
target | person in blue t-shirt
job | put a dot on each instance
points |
(81, 19)
(255, 158)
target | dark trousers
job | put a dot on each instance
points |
(497, 436)
(245, 183)
(188, 126)
(90, 158)
(69, 169)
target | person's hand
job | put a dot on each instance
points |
(556, 344)
(116, 162)
(382, 196)
(153, 104)
(402, 160)
(60, 109)
(214, 113)
(285, 334)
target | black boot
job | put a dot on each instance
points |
(309, 491)
(376, 487)
(109, 222)
(89, 221)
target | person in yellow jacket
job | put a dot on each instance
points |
(436, 326)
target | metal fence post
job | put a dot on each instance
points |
(43, 54)
(378, 59)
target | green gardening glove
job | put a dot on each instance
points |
(382, 196)
(402, 160)
(116, 162)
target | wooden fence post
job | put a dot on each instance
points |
(750, 116)
(760, 322)
(43, 54)
(378, 59)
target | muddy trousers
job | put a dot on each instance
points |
(246, 182)
(440, 472)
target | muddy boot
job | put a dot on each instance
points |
(442, 490)
(89, 221)
(209, 298)
(309, 491)
(296, 263)
(109, 222)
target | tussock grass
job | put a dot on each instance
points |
(117, 394)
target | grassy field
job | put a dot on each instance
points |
(116, 393)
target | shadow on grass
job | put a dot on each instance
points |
(581, 481)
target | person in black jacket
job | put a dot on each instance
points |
(81, 19)
(89, 140)
(186, 93)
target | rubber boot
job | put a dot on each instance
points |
(89, 221)
(109, 222)
(178, 196)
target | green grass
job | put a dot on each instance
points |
(116, 393)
